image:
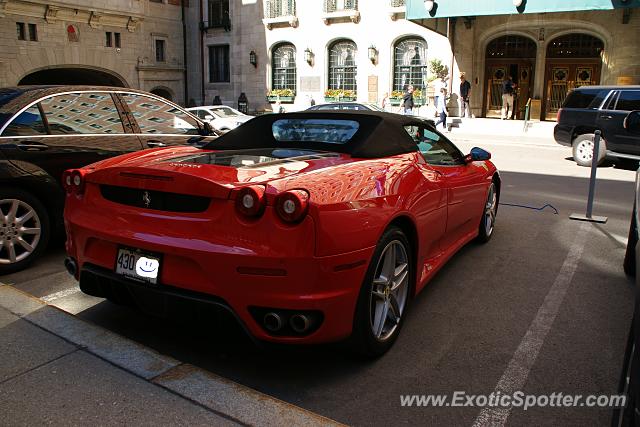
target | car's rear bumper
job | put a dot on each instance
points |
(236, 274)
(563, 134)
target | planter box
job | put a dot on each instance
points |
(417, 102)
(283, 99)
(339, 99)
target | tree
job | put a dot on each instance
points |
(438, 70)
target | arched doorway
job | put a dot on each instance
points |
(163, 93)
(72, 76)
(510, 55)
(573, 60)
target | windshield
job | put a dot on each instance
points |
(315, 130)
(225, 112)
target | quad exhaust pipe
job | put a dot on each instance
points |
(71, 266)
(300, 323)
(272, 321)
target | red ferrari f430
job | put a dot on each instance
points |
(309, 227)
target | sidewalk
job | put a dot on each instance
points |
(57, 369)
(497, 127)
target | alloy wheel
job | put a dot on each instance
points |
(20, 230)
(389, 291)
(490, 210)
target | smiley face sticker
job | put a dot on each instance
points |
(147, 267)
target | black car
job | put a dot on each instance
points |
(45, 130)
(357, 106)
(590, 108)
(630, 376)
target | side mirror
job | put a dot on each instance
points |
(477, 154)
(632, 121)
(207, 130)
(208, 117)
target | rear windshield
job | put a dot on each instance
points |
(585, 99)
(314, 130)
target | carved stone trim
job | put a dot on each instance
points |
(3, 7)
(132, 24)
(94, 20)
(51, 14)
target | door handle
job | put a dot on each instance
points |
(33, 146)
(153, 144)
(606, 117)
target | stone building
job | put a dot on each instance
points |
(302, 49)
(129, 43)
(548, 47)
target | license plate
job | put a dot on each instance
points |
(137, 265)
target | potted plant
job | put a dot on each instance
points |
(286, 96)
(396, 97)
(331, 95)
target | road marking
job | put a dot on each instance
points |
(59, 295)
(515, 376)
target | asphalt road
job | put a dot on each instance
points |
(544, 307)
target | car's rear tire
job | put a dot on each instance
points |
(629, 263)
(583, 149)
(384, 295)
(488, 220)
(24, 229)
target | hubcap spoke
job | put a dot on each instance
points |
(25, 230)
(378, 294)
(398, 281)
(388, 266)
(13, 211)
(395, 309)
(12, 251)
(379, 325)
(25, 245)
(24, 218)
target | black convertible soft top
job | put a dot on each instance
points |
(379, 134)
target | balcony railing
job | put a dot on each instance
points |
(279, 8)
(340, 5)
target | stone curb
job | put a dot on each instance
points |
(218, 394)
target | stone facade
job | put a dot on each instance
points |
(376, 23)
(72, 36)
(620, 58)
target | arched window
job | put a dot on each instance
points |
(511, 46)
(410, 64)
(342, 65)
(283, 67)
(575, 45)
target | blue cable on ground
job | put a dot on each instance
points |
(555, 211)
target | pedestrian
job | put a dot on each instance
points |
(508, 88)
(438, 84)
(441, 108)
(407, 101)
(385, 104)
(465, 93)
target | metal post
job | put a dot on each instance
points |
(592, 185)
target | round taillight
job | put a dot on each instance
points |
(251, 201)
(292, 205)
(77, 179)
(68, 180)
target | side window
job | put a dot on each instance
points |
(628, 100)
(157, 117)
(28, 123)
(611, 102)
(82, 113)
(435, 149)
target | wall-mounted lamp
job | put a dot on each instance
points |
(253, 59)
(429, 4)
(373, 54)
(308, 56)
(517, 3)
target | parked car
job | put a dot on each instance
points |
(630, 376)
(357, 106)
(46, 130)
(309, 227)
(220, 117)
(590, 108)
